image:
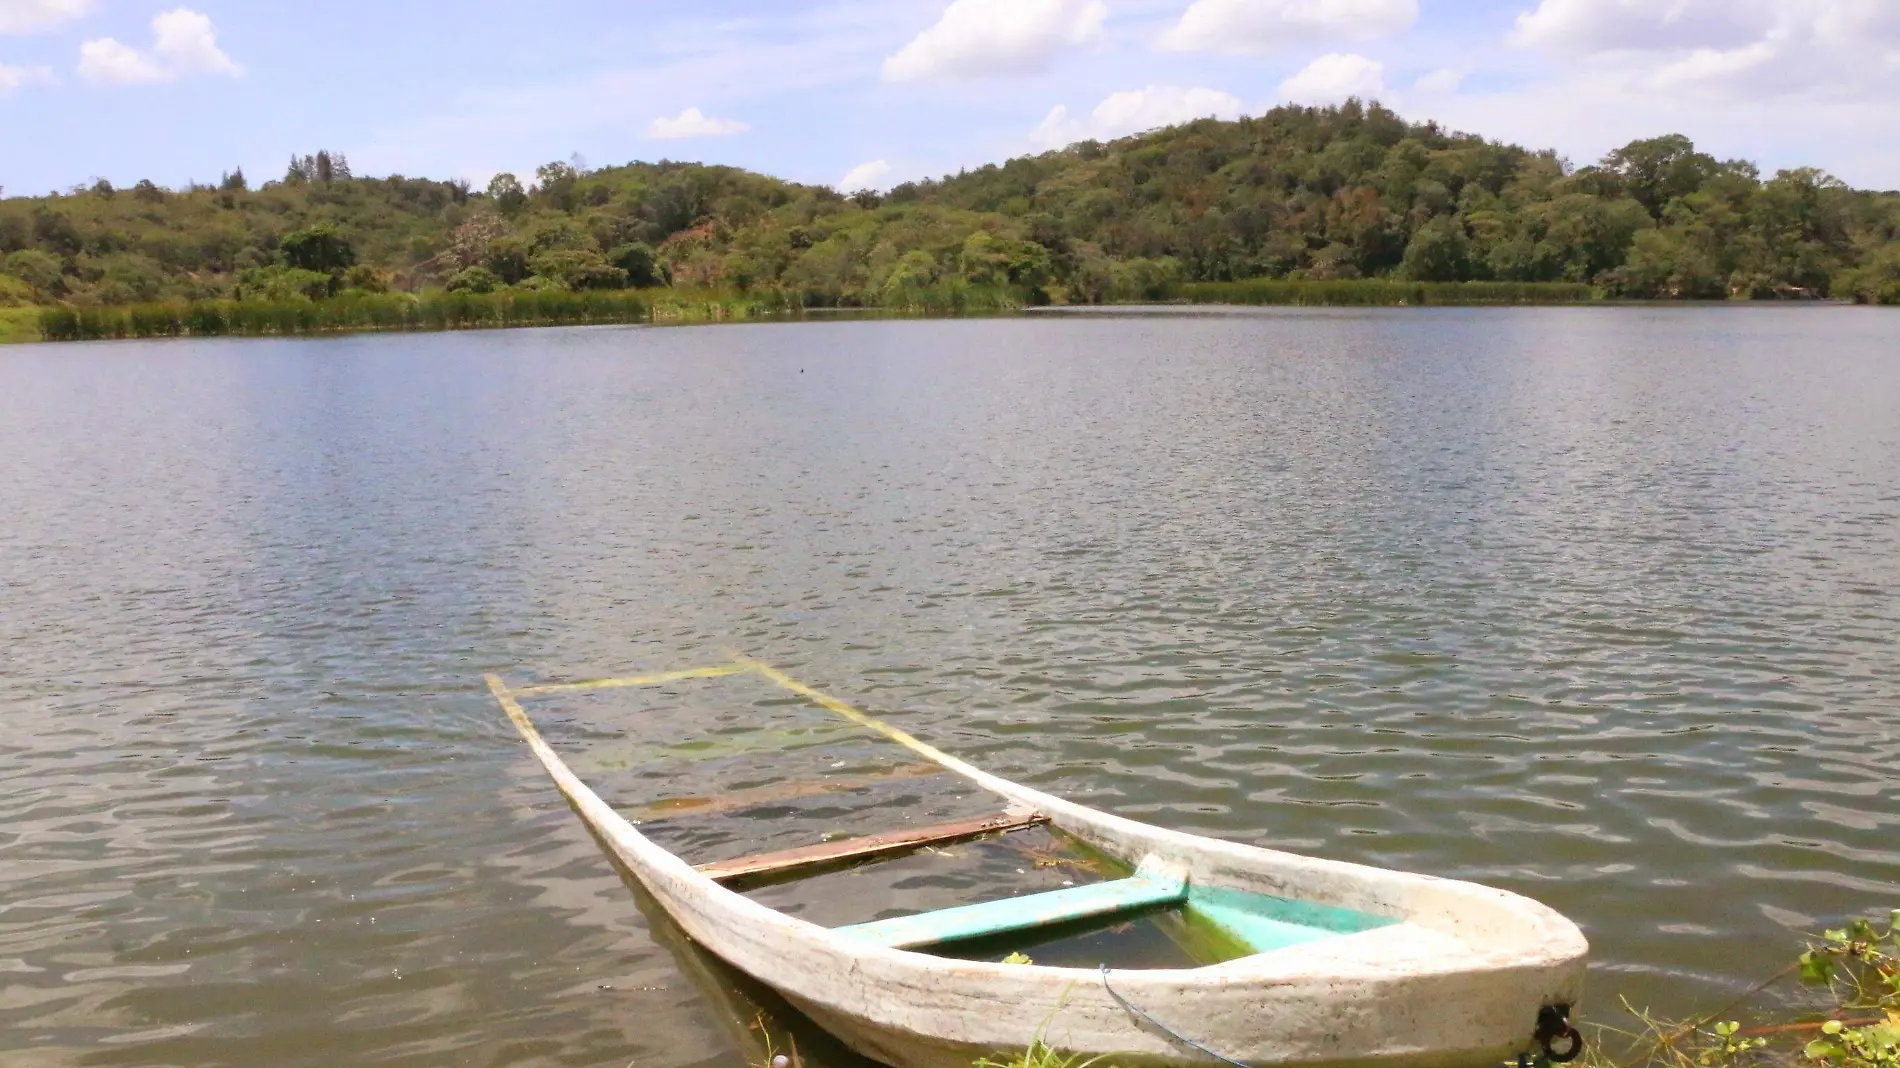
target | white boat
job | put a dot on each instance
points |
(1346, 964)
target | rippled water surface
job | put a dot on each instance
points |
(1599, 605)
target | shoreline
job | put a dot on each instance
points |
(434, 312)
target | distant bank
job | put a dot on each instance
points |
(464, 311)
(1340, 205)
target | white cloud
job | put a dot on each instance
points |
(1444, 80)
(864, 176)
(720, 65)
(693, 123)
(12, 78)
(1590, 109)
(1728, 50)
(108, 62)
(31, 16)
(1709, 64)
(183, 43)
(188, 44)
(1133, 111)
(1333, 77)
(1611, 25)
(978, 38)
(1257, 26)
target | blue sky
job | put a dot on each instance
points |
(858, 93)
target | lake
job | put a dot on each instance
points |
(1599, 605)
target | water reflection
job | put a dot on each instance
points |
(1597, 605)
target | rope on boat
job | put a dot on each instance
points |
(1169, 1031)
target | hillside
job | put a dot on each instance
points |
(1297, 193)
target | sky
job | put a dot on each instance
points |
(869, 93)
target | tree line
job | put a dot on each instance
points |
(1297, 195)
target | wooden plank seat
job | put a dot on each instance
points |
(826, 854)
(1148, 887)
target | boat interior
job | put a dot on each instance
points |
(817, 820)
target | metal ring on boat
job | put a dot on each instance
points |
(1553, 1027)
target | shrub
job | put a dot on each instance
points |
(474, 280)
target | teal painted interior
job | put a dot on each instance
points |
(989, 918)
(1261, 922)
(1267, 923)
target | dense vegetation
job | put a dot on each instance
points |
(1298, 195)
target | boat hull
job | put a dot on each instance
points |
(1389, 1000)
(1457, 979)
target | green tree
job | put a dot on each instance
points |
(1358, 218)
(1583, 237)
(320, 247)
(1668, 263)
(38, 269)
(641, 265)
(508, 258)
(984, 260)
(281, 283)
(1438, 252)
(54, 229)
(1876, 282)
(474, 280)
(505, 189)
(557, 182)
(577, 269)
(365, 279)
(127, 278)
(1657, 170)
(910, 277)
(15, 232)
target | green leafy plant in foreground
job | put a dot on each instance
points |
(1859, 963)
(1041, 1055)
(1860, 966)
(1729, 1046)
(1856, 968)
(1856, 1047)
(771, 1057)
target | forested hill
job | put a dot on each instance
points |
(1301, 193)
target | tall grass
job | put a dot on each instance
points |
(19, 324)
(1379, 291)
(439, 311)
(464, 311)
(368, 311)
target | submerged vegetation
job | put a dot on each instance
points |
(1347, 204)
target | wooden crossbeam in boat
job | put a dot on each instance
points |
(714, 672)
(765, 795)
(826, 853)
